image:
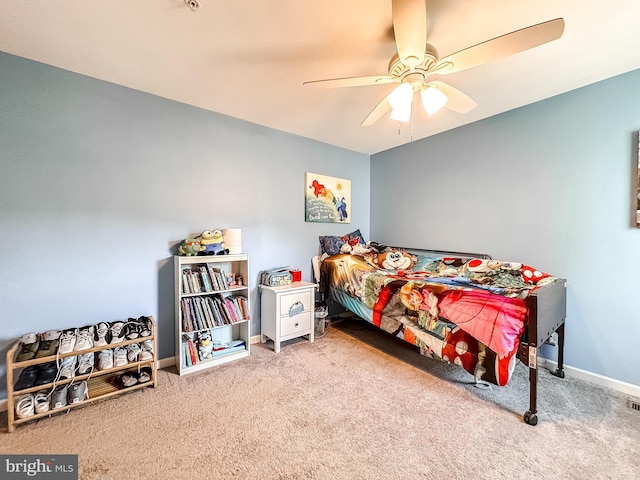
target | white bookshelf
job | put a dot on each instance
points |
(192, 291)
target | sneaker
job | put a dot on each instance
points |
(77, 392)
(132, 329)
(25, 406)
(127, 379)
(146, 326)
(30, 343)
(119, 356)
(133, 352)
(68, 367)
(105, 360)
(49, 344)
(117, 332)
(68, 341)
(145, 375)
(146, 350)
(41, 401)
(59, 397)
(84, 339)
(101, 335)
(85, 363)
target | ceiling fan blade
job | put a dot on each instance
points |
(502, 46)
(352, 81)
(376, 114)
(410, 30)
(457, 101)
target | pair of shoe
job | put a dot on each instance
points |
(112, 358)
(129, 379)
(38, 345)
(121, 356)
(36, 375)
(32, 404)
(68, 394)
(138, 328)
(82, 364)
(41, 402)
(76, 339)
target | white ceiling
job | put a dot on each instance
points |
(249, 58)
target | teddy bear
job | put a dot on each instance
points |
(212, 243)
(395, 260)
(190, 247)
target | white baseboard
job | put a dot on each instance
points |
(597, 379)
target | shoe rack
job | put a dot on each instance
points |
(101, 384)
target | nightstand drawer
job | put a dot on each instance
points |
(296, 324)
(294, 303)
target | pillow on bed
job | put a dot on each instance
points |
(331, 244)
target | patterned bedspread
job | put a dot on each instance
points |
(471, 312)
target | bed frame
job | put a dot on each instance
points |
(547, 313)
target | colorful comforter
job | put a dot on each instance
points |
(470, 312)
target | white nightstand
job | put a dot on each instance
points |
(287, 312)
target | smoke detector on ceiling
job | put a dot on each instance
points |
(192, 4)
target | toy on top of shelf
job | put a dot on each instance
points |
(212, 243)
(190, 247)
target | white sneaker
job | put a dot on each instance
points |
(105, 360)
(133, 352)
(117, 332)
(41, 400)
(119, 356)
(84, 339)
(67, 341)
(85, 363)
(100, 335)
(147, 350)
(67, 367)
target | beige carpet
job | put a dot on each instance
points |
(353, 405)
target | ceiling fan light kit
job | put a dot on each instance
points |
(433, 99)
(416, 61)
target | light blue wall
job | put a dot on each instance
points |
(99, 182)
(549, 185)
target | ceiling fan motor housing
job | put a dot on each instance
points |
(398, 69)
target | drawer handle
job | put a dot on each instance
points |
(296, 325)
(295, 309)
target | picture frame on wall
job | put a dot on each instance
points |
(327, 199)
(637, 202)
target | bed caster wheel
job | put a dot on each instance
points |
(530, 418)
(559, 373)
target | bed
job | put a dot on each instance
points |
(468, 309)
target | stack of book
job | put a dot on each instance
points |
(200, 313)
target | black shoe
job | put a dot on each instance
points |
(27, 378)
(47, 373)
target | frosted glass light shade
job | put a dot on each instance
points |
(401, 114)
(400, 101)
(433, 99)
(233, 239)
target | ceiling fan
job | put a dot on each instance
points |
(416, 66)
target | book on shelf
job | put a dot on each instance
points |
(206, 281)
(212, 275)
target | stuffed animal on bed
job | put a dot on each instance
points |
(395, 260)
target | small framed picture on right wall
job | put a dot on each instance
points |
(637, 202)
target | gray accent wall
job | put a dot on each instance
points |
(99, 183)
(550, 185)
